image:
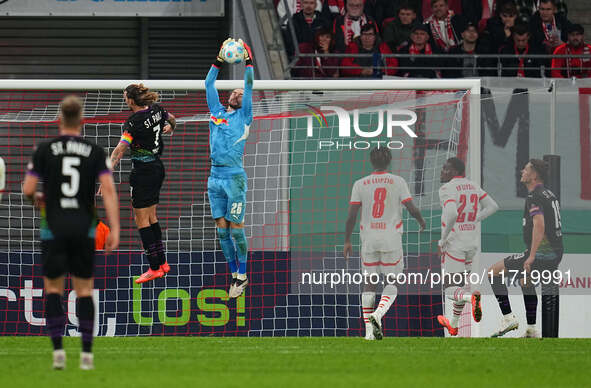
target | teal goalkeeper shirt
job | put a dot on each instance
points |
(228, 130)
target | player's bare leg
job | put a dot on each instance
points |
(509, 321)
(55, 318)
(239, 237)
(85, 314)
(142, 220)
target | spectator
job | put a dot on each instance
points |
(479, 11)
(444, 25)
(387, 10)
(572, 67)
(397, 31)
(374, 66)
(420, 65)
(347, 27)
(547, 27)
(294, 7)
(526, 9)
(469, 66)
(499, 27)
(305, 23)
(454, 5)
(519, 65)
(318, 67)
(333, 8)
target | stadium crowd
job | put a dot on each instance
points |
(461, 30)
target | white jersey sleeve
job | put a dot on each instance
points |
(355, 195)
(404, 192)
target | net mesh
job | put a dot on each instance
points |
(297, 203)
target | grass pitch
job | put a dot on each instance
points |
(166, 362)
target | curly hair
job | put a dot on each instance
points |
(141, 95)
(458, 165)
(380, 158)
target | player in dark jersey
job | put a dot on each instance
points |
(142, 133)
(542, 234)
(69, 167)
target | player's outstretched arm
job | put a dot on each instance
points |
(349, 225)
(489, 207)
(112, 208)
(416, 213)
(211, 93)
(248, 83)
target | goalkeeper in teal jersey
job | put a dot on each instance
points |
(227, 183)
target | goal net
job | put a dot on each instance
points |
(308, 143)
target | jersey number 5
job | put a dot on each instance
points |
(68, 170)
(463, 203)
(379, 196)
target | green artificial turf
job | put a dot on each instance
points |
(300, 362)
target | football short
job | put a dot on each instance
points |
(145, 182)
(454, 261)
(382, 262)
(227, 196)
(74, 255)
(544, 261)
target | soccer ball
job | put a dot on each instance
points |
(233, 52)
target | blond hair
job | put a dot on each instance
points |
(71, 111)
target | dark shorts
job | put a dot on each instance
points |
(544, 261)
(74, 255)
(145, 182)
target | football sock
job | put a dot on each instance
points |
(241, 248)
(500, 290)
(55, 318)
(458, 294)
(530, 299)
(159, 245)
(149, 243)
(85, 314)
(367, 301)
(228, 249)
(388, 297)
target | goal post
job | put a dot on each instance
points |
(290, 181)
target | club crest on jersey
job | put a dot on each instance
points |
(218, 121)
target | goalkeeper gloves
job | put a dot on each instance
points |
(220, 58)
(247, 53)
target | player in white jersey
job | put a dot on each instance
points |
(380, 196)
(464, 205)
